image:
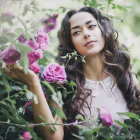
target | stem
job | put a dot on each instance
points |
(7, 98)
(40, 124)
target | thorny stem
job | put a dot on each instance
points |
(42, 124)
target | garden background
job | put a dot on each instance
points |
(18, 17)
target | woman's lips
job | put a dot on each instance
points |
(89, 42)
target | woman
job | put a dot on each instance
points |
(107, 67)
(91, 34)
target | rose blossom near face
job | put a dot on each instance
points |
(54, 73)
(86, 34)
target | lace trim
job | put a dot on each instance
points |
(107, 84)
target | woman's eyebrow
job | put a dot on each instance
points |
(75, 27)
(85, 23)
(89, 21)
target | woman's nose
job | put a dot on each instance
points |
(86, 34)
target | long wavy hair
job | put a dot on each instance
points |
(116, 61)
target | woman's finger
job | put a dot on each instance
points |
(10, 67)
(4, 67)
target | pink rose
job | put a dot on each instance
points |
(22, 39)
(34, 55)
(35, 67)
(50, 23)
(33, 44)
(27, 107)
(42, 39)
(54, 73)
(10, 56)
(106, 116)
(26, 135)
(9, 13)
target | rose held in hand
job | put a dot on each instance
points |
(106, 116)
(54, 73)
(10, 56)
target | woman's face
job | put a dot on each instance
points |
(86, 35)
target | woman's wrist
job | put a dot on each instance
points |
(33, 82)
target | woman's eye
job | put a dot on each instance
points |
(76, 32)
(92, 26)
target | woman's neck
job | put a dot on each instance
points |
(94, 68)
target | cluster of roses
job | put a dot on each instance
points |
(53, 72)
(38, 45)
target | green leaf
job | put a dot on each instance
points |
(5, 112)
(129, 123)
(13, 103)
(130, 114)
(57, 97)
(105, 132)
(16, 88)
(119, 138)
(79, 137)
(60, 113)
(31, 96)
(10, 39)
(49, 86)
(72, 83)
(42, 118)
(75, 58)
(5, 18)
(3, 39)
(7, 85)
(18, 31)
(122, 124)
(114, 129)
(79, 117)
(65, 93)
(89, 136)
(24, 50)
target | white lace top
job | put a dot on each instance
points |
(105, 93)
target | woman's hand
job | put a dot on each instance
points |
(17, 73)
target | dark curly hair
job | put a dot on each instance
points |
(116, 61)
